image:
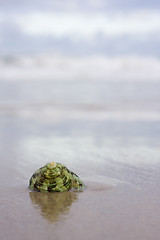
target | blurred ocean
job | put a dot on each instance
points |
(123, 88)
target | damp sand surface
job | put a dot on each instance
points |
(116, 154)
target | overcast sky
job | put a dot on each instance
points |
(69, 5)
(77, 27)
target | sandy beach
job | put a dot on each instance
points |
(109, 135)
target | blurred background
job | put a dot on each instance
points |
(87, 55)
(90, 56)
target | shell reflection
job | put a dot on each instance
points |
(53, 205)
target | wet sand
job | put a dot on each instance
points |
(121, 173)
(116, 155)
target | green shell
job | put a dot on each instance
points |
(55, 177)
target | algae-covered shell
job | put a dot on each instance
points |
(55, 177)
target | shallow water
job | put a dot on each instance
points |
(115, 152)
